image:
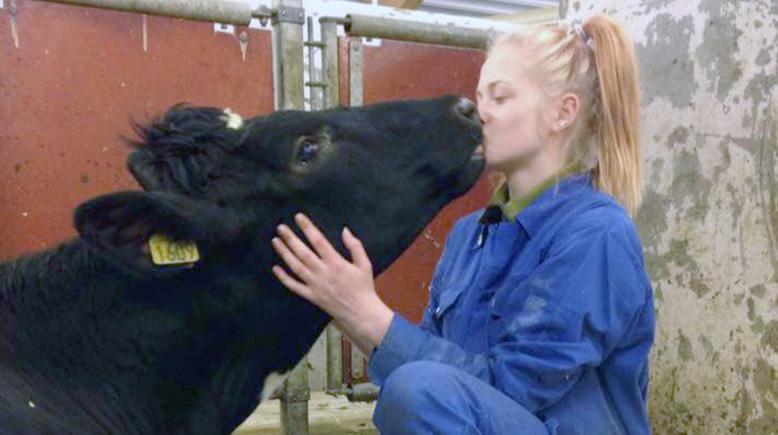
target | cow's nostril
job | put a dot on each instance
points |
(467, 109)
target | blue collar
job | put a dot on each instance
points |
(539, 211)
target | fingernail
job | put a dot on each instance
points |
(347, 232)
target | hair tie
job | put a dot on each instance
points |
(581, 33)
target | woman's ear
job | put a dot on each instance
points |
(567, 111)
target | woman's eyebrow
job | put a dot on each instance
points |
(491, 85)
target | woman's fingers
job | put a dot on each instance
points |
(300, 250)
(316, 238)
(358, 254)
(291, 259)
(291, 283)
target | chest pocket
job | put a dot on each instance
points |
(507, 301)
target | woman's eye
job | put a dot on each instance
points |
(307, 152)
(500, 99)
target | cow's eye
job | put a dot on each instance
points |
(307, 152)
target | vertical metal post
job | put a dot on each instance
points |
(288, 53)
(355, 86)
(355, 72)
(289, 86)
(314, 76)
(330, 69)
(330, 66)
(564, 5)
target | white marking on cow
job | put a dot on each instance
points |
(272, 382)
(31, 404)
(232, 119)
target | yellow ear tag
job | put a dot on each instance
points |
(166, 252)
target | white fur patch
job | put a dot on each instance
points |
(272, 382)
(232, 119)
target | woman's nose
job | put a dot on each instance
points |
(483, 113)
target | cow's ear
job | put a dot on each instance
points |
(146, 232)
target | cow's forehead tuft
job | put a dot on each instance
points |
(233, 120)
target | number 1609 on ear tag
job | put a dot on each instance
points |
(167, 252)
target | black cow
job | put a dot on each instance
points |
(95, 338)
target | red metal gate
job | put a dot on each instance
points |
(77, 78)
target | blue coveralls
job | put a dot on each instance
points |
(538, 325)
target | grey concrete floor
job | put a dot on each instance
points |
(327, 415)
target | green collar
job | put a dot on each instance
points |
(512, 207)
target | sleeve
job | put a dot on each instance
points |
(568, 314)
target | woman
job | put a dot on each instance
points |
(540, 317)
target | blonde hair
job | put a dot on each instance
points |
(596, 62)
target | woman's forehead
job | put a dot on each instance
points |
(502, 65)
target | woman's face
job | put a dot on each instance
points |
(509, 103)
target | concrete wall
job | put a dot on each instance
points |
(709, 222)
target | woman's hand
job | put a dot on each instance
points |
(343, 289)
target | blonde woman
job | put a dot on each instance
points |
(540, 318)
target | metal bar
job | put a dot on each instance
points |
(389, 28)
(288, 56)
(289, 95)
(346, 360)
(351, 360)
(364, 392)
(334, 361)
(314, 84)
(221, 11)
(563, 7)
(330, 70)
(355, 73)
(336, 20)
(294, 401)
(329, 63)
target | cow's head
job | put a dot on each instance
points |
(384, 170)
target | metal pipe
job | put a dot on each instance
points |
(315, 86)
(288, 57)
(288, 77)
(355, 90)
(294, 401)
(221, 11)
(334, 359)
(365, 392)
(389, 28)
(329, 63)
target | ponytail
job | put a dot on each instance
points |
(616, 123)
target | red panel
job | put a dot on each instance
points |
(399, 70)
(68, 92)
